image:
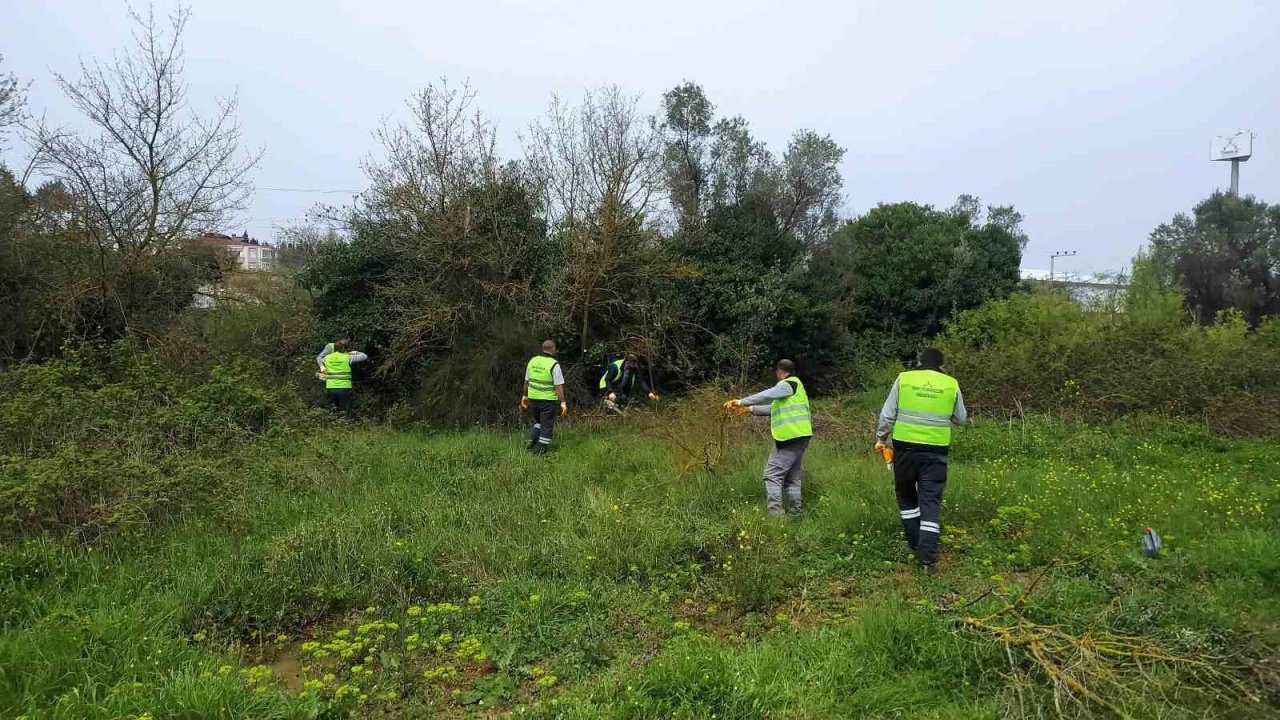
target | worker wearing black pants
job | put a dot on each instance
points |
(341, 399)
(544, 424)
(917, 418)
(920, 478)
(543, 395)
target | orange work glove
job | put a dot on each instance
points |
(524, 403)
(564, 409)
(742, 410)
(731, 404)
(654, 397)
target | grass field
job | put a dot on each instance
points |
(372, 572)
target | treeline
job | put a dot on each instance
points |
(678, 235)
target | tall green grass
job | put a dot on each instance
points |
(606, 584)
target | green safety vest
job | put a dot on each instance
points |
(926, 402)
(337, 370)
(541, 378)
(789, 416)
(604, 379)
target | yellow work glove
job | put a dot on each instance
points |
(879, 446)
(564, 409)
(524, 403)
(613, 397)
(654, 397)
(742, 410)
(731, 404)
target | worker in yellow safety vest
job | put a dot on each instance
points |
(335, 369)
(623, 378)
(543, 390)
(917, 418)
(328, 348)
(791, 423)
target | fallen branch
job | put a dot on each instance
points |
(1096, 669)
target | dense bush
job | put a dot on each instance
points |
(1039, 351)
(1226, 254)
(107, 438)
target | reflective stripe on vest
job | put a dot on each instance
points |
(926, 402)
(540, 374)
(337, 370)
(617, 368)
(789, 417)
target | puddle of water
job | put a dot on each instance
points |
(287, 665)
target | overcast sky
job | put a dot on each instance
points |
(1093, 118)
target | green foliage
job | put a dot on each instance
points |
(108, 438)
(603, 588)
(908, 267)
(1149, 297)
(755, 296)
(1043, 352)
(57, 284)
(1225, 256)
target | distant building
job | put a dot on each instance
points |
(1092, 292)
(249, 254)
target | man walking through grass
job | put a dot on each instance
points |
(917, 417)
(787, 405)
(543, 389)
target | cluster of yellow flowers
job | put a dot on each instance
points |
(542, 678)
(258, 677)
(444, 673)
(470, 648)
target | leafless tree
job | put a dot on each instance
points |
(153, 171)
(460, 222)
(447, 149)
(601, 168)
(13, 102)
(604, 153)
(298, 244)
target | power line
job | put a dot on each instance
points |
(306, 190)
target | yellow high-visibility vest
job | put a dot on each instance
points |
(541, 378)
(337, 370)
(926, 402)
(789, 417)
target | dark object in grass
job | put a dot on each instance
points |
(1151, 543)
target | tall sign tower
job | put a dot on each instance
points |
(1236, 147)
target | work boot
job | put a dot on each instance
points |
(930, 569)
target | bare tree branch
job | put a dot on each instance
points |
(155, 171)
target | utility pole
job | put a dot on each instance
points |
(1055, 256)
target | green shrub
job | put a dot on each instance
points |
(1041, 352)
(110, 438)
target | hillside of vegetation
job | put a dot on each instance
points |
(366, 572)
(186, 533)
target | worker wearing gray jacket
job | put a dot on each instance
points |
(329, 347)
(791, 424)
(917, 418)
